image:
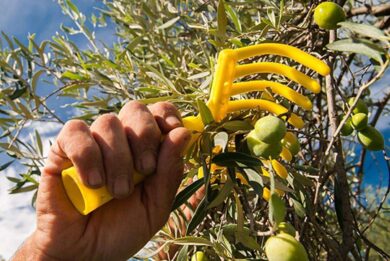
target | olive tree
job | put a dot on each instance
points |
(167, 50)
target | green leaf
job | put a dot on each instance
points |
(221, 19)
(169, 23)
(205, 113)
(233, 15)
(302, 179)
(190, 241)
(6, 165)
(17, 93)
(236, 159)
(73, 7)
(15, 180)
(186, 193)
(39, 142)
(255, 180)
(299, 209)
(355, 46)
(223, 194)
(183, 253)
(24, 189)
(199, 215)
(277, 208)
(364, 30)
(248, 241)
(72, 76)
(237, 125)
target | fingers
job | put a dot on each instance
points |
(76, 145)
(166, 115)
(161, 188)
(143, 134)
(118, 163)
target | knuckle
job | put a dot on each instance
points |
(107, 121)
(135, 105)
(166, 107)
(76, 126)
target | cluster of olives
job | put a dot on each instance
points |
(265, 139)
(269, 136)
(368, 136)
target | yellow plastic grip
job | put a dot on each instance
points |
(87, 199)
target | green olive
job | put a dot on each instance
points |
(262, 149)
(371, 138)
(270, 129)
(328, 14)
(361, 106)
(359, 121)
(199, 256)
(347, 128)
(284, 247)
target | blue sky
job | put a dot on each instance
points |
(43, 17)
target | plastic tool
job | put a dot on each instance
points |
(86, 199)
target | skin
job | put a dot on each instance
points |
(106, 153)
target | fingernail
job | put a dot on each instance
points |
(121, 186)
(148, 162)
(95, 179)
(173, 121)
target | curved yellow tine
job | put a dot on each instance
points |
(278, 88)
(289, 72)
(286, 51)
(222, 83)
(265, 105)
(286, 154)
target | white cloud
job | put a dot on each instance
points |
(17, 216)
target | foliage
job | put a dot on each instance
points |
(166, 50)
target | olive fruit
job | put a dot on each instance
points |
(286, 227)
(284, 247)
(371, 138)
(262, 149)
(347, 128)
(359, 121)
(361, 106)
(328, 14)
(199, 256)
(270, 129)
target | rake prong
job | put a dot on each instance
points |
(265, 105)
(289, 72)
(286, 51)
(278, 88)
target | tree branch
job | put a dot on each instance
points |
(377, 10)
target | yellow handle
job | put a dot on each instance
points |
(87, 199)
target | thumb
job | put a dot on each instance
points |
(161, 188)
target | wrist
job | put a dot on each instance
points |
(29, 250)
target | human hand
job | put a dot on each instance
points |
(107, 154)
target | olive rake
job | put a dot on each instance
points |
(228, 70)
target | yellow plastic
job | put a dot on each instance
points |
(227, 71)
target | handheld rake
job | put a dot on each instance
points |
(223, 87)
